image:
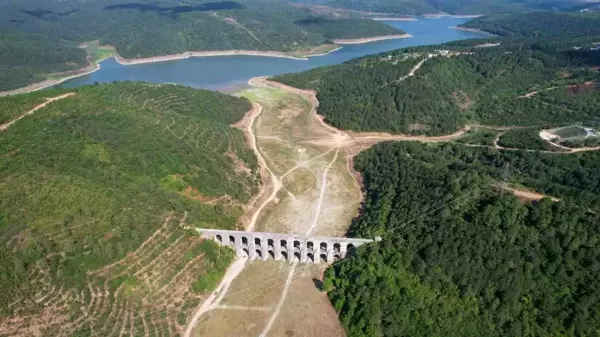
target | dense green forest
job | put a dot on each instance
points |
(117, 173)
(41, 37)
(459, 258)
(25, 58)
(539, 24)
(473, 7)
(346, 28)
(457, 84)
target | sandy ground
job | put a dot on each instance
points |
(296, 55)
(317, 195)
(371, 39)
(40, 106)
(526, 194)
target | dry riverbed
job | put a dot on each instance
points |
(317, 195)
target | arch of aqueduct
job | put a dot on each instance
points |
(262, 245)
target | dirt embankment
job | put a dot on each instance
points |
(60, 78)
(473, 30)
(295, 55)
(371, 39)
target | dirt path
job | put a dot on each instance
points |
(524, 194)
(275, 183)
(48, 101)
(210, 303)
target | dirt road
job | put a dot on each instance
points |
(48, 101)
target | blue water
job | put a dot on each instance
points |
(219, 72)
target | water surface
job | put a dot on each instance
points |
(220, 72)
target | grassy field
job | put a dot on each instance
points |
(98, 192)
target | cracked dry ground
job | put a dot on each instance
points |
(318, 195)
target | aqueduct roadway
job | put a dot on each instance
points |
(290, 247)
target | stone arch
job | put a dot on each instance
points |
(245, 252)
(296, 256)
(323, 246)
(257, 241)
(296, 244)
(219, 238)
(310, 245)
(258, 254)
(271, 243)
(350, 248)
(272, 254)
(310, 257)
(337, 247)
(323, 258)
(283, 243)
(244, 240)
(231, 240)
(336, 257)
(284, 254)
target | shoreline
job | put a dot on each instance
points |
(47, 83)
(456, 16)
(408, 18)
(371, 39)
(473, 30)
(50, 82)
(300, 56)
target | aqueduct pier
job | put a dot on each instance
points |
(262, 245)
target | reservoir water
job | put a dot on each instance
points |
(220, 72)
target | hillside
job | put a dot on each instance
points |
(99, 189)
(458, 258)
(140, 30)
(539, 25)
(458, 7)
(438, 89)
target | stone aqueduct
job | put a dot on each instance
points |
(262, 245)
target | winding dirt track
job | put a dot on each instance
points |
(38, 107)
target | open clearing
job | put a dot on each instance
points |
(318, 195)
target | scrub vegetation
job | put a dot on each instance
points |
(100, 193)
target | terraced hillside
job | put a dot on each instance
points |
(98, 191)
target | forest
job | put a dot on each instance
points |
(97, 185)
(539, 24)
(461, 258)
(346, 28)
(41, 37)
(514, 83)
(470, 7)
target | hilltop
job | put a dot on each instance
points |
(101, 189)
(455, 7)
(507, 81)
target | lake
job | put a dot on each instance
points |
(221, 72)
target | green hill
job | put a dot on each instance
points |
(539, 25)
(455, 84)
(41, 37)
(458, 258)
(99, 190)
(468, 7)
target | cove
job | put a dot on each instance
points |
(222, 72)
